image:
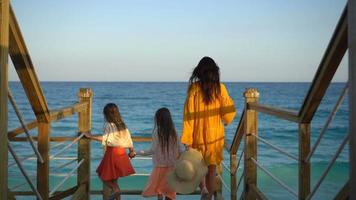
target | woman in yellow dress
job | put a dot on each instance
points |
(208, 107)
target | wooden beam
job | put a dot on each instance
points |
(344, 193)
(99, 192)
(304, 166)
(81, 193)
(250, 168)
(55, 116)
(137, 192)
(26, 72)
(43, 168)
(327, 68)
(10, 195)
(4, 47)
(63, 194)
(286, 114)
(64, 139)
(17, 131)
(51, 139)
(67, 111)
(352, 93)
(84, 124)
(259, 194)
(236, 141)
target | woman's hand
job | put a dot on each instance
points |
(187, 147)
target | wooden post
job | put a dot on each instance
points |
(4, 48)
(304, 167)
(352, 93)
(251, 95)
(84, 124)
(233, 170)
(43, 168)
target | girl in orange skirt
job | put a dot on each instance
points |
(116, 139)
(165, 149)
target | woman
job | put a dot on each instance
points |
(208, 107)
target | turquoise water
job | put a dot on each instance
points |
(138, 103)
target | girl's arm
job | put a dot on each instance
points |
(150, 151)
(93, 137)
(131, 148)
(146, 152)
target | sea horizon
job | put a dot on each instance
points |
(138, 102)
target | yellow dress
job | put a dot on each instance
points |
(203, 125)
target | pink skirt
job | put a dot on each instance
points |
(157, 183)
(114, 164)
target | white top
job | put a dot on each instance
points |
(116, 138)
(160, 157)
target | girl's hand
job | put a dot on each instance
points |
(132, 154)
(87, 134)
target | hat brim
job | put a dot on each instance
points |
(187, 187)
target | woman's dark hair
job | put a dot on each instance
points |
(164, 127)
(112, 115)
(207, 75)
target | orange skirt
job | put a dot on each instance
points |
(115, 164)
(157, 183)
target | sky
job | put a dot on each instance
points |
(163, 40)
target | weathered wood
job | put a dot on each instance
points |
(63, 194)
(233, 184)
(98, 192)
(43, 168)
(26, 72)
(238, 134)
(10, 195)
(258, 193)
(51, 139)
(81, 193)
(84, 125)
(55, 116)
(4, 47)
(138, 192)
(67, 111)
(142, 139)
(344, 193)
(352, 93)
(250, 168)
(304, 166)
(20, 130)
(63, 139)
(327, 68)
(286, 114)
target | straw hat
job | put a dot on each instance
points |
(189, 170)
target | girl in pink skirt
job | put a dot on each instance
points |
(164, 150)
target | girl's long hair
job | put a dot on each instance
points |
(207, 75)
(112, 115)
(164, 127)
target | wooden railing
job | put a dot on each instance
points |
(83, 109)
(248, 128)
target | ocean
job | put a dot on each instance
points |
(138, 102)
